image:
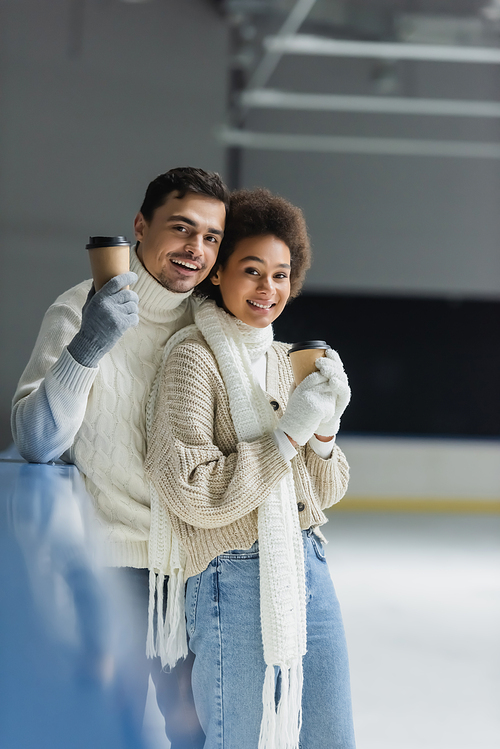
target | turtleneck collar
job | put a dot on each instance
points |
(156, 303)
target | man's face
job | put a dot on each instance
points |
(179, 245)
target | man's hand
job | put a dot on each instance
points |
(106, 315)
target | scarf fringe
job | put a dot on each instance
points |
(176, 647)
(170, 643)
(150, 640)
(268, 724)
(280, 728)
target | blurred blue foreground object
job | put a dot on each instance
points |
(56, 624)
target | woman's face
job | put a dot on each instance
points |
(255, 282)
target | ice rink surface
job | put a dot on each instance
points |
(420, 595)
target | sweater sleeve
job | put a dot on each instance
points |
(51, 397)
(206, 478)
(329, 476)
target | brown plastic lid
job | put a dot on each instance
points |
(106, 242)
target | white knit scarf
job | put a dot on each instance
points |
(166, 556)
(282, 578)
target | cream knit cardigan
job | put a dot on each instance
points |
(211, 485)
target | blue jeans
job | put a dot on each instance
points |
(223, 619)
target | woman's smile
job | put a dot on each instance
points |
(261, 305)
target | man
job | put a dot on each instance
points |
(84, 392)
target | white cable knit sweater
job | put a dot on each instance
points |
(100, 412)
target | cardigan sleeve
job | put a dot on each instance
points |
(329, 476)
(51, 397)
(199, 470)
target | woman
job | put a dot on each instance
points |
(244, 472)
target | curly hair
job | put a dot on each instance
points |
(257, 213)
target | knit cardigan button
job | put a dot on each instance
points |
(275, 405)
(301, 506)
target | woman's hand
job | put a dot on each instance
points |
(332, 368)
(310, 403)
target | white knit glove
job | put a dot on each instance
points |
(332, 368)
(310, 403)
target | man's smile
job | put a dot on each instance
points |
(185, 264)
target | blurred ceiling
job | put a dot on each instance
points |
(368, 17)
(380, 40)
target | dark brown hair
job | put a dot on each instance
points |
(257, 213)
(183, 179)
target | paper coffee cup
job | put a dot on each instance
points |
(109, 257)
(302, 357)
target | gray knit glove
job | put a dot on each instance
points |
(310, 403)
(332, 368)
(106, 315)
